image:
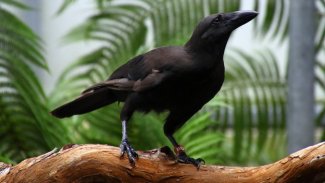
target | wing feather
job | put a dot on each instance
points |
(122, 84)
(146, 71)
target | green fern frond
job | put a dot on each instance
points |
(26, 127)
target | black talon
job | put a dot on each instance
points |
(131, 153)
(183, 158)
(202, 162)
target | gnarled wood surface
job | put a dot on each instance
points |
(101, 163)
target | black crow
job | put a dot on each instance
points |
(177, 79)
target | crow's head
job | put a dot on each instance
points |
(221, 24)
(217, 27)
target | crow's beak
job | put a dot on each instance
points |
(239, 18)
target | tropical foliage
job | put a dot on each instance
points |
(26, 126)
(247, 118)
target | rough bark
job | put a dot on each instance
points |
(101, 163)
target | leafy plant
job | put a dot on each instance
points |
(257, 100)
(26, 126)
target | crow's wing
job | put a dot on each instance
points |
(127, 84)
(146, 71)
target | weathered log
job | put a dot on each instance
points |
(101, 163)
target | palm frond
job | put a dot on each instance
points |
(15, 4)
(26, 126)
(255, 91)
(120, 30)
(200, 140)
(65, 5)
(174, 21)
(274, 18)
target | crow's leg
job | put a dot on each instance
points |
(173, 122)
(125, 146)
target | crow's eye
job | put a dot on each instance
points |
(216, 20)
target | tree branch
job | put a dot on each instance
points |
(101, 163)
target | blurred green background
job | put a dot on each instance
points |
(244, 124)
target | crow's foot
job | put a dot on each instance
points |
(188, 160)
(183, 158)
(126, 148)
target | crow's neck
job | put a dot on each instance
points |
(212, 52)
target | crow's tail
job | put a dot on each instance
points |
(85, 103)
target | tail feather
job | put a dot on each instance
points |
(85, 103)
